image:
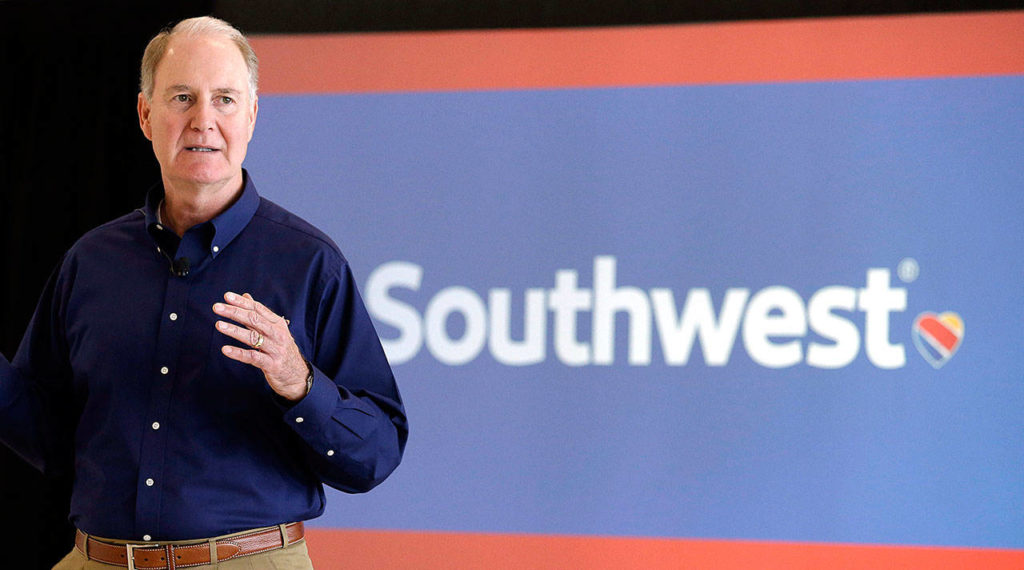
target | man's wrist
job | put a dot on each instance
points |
(309, 379)
(295, 392)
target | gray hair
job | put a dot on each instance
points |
(192, 27)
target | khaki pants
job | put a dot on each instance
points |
(293, 557)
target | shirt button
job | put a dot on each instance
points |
(299, 420)
(174, 316)
(149, 482)
(147, 538)
(164, 370)
(156, 425)
(330, 452)
(215, 249)
(159, 227)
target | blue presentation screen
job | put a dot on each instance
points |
(774, 311)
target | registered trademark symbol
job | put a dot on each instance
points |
(908, 270)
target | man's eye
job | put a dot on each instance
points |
(225, 100)
(182, 98)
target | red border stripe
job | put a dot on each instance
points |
(987, 43)
(337, 549)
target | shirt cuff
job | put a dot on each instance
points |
(316, 406)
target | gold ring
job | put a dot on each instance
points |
(259, 342)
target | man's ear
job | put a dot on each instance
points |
(252, 118)
(144, 124)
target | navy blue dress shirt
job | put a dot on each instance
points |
(120, 378)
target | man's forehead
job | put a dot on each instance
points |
(202, 42)
(189, 59)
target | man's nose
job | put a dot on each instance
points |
(202, 116)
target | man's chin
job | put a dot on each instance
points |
(205, 177)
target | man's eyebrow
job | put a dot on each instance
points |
(228, 92)
(219, 91)
(178, 87)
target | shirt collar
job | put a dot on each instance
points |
(226, 226)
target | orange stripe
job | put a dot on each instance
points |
(337, 549)
(764, 51)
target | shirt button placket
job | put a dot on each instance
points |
(153, 467)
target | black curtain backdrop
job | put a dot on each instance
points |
(74, 156)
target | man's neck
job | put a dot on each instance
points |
(185, 206)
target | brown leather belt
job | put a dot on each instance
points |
(170, 556)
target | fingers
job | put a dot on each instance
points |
(246, 336)
(262, 311)
(255, 326)
(273, 349)
(253, 357)
(245, 310)
(247, 302)
(241, 315)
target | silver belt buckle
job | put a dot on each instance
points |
(131, 555)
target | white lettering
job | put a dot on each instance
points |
(824, 322)
(566, 300)
(877, 300)
(698, 318)
(608, 300)
(465, 302)
(774, 311)
(393, 312)
(773, 322)
(531, 349)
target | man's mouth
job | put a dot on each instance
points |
(199, 149)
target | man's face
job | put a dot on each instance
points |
(200, 118)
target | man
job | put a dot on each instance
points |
(204, 363)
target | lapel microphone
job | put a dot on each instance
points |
(181, 266)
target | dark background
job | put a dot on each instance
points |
(74, 157)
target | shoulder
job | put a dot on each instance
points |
(120, 232)
(115, 226)
(112, 244)
(277, 223)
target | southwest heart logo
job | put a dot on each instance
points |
(938, 336)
